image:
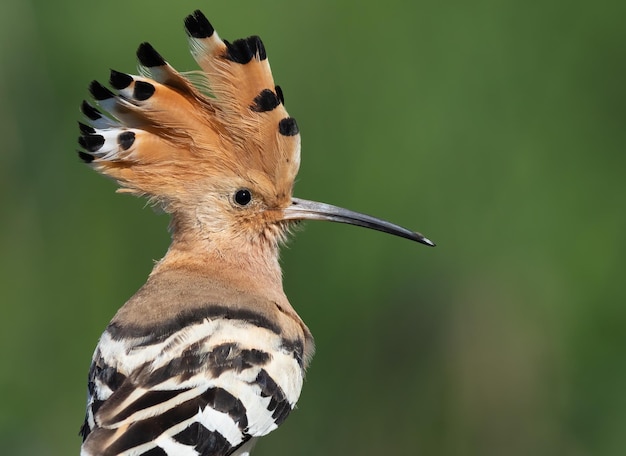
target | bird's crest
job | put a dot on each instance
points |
(162, 136)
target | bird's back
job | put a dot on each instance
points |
(209, 378)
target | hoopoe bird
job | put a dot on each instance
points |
(209, 355)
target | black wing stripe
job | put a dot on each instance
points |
(156, 451)
(167, 328)
(147, 400)
(224, 357)
(222, 401)
(102, 372)
(147, 430)
(278, 402)
(204, 441)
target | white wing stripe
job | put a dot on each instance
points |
(222, 423)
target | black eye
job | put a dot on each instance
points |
(243, 196)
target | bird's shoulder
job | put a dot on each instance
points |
(210, 376)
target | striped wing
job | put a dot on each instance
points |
(207, 388)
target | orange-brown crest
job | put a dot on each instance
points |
(205, 150)
(164, 137)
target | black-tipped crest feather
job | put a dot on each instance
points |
(198, 26)
(99, 92)
(148, 56)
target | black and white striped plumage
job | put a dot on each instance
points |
(206, 381)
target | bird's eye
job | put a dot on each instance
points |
(243, 196)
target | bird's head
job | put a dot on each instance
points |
(220, 154)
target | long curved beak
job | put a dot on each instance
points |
(301, 209)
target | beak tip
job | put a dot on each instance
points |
(424, 240)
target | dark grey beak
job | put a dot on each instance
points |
(301, 209)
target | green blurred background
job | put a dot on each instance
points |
(495, 127)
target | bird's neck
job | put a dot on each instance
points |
(252, 268)
(200, 272)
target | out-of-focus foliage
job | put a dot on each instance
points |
(496, 128)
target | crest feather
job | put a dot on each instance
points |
(163, 136)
